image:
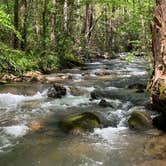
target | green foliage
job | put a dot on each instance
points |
(6, 23)
(15, 61)
(73, 60)
(54, 37)
(130, 58)
(49, 63)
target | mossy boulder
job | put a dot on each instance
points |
(140, 120)
(80, 122)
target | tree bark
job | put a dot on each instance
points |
(44, 24)
(16, 23)
(53, 20)
(86, 20)
(65, 15)
(158, 27)
(24, 25)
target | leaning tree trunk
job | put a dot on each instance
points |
(158, 27)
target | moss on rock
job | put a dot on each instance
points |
(85, 121)
(140, 120)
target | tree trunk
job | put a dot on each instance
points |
(16, 23)
(44, 24)
(53, 20)
(158, 27)
(24, 25)
(86, 20)
(65, 15)
(90, 23)
(36, 19)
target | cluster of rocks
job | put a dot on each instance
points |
(86, 121)
(79, 122)
(34, 76)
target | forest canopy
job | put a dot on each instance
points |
(49, 34)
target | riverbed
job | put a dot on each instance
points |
(29, 134)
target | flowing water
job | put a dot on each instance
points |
(29, 135)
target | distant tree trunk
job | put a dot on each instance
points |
(106, 28)
(44, 24)
(16, 23)
(53, 20)
(111, 43)
(90, 22)
(86, 20)
(78, 15)
(36, 21)
(65, 15)
(24, 25)
(158, 27)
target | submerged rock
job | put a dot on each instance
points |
(75, 91)
(137, 87)
(140, 120)
(155, 148)
(103, 73)
(160, 122)
(104, 103)
(121, 94)
(57, 91)
(80, 122)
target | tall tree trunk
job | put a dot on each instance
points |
(24, 25)
(44, 24)
(158, 27)
(53, 20)
(65, 15)
(16, 23)
(90, 22)
(36, 18)
(78, 15)
(86, 20)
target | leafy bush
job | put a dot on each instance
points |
(15, 61)
(48, 63)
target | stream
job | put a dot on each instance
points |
(29, 135)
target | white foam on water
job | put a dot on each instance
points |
(111, 88)
(68, 91)
(138, 73)
(16, 131)
(10, 100)
(68, 101)
(77, 77)
(110, 138)
(94, 63)
(90, 162)
(109, 133)
(88, 89)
